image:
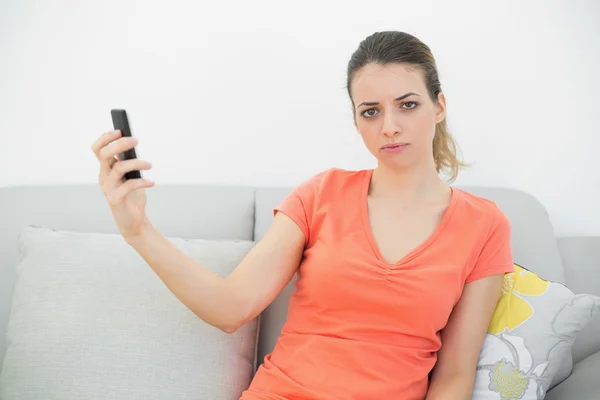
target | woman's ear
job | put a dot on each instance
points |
(440, 113)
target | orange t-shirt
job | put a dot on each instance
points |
(359, 327)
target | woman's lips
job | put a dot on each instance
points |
(394, 147)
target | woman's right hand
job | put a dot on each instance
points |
(126, 198)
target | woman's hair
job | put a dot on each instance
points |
(399, 47)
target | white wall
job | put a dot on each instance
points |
(220, 92)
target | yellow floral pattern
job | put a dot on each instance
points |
(512, 309)
(508, 381)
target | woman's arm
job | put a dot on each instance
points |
(462, 339)
(227, 303)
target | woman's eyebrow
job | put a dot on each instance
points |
(374, 103)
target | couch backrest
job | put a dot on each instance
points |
(221, 212)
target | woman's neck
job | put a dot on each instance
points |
(413, 186)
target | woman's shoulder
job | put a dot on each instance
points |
(481, 209)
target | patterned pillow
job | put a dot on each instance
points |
(530, 336)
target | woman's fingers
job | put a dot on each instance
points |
(120, 168)
(118, 195)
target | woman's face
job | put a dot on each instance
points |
(394, 114)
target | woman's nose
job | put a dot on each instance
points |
(390, 125)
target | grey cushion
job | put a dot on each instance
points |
(184, 211)
(91, 320)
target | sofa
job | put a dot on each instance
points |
(244, 213)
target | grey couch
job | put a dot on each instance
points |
(221, 212)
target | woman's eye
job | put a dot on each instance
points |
(369, 113)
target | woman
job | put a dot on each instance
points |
(398, 272)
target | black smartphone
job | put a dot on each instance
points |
(121, 122)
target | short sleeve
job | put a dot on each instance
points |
(300, 203)
(496, 255)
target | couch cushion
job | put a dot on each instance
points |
(91, 320)
(533, 241)
(185, 211)
(532, 331)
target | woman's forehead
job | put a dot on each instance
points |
(375, 81)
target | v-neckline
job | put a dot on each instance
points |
(364, 211)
